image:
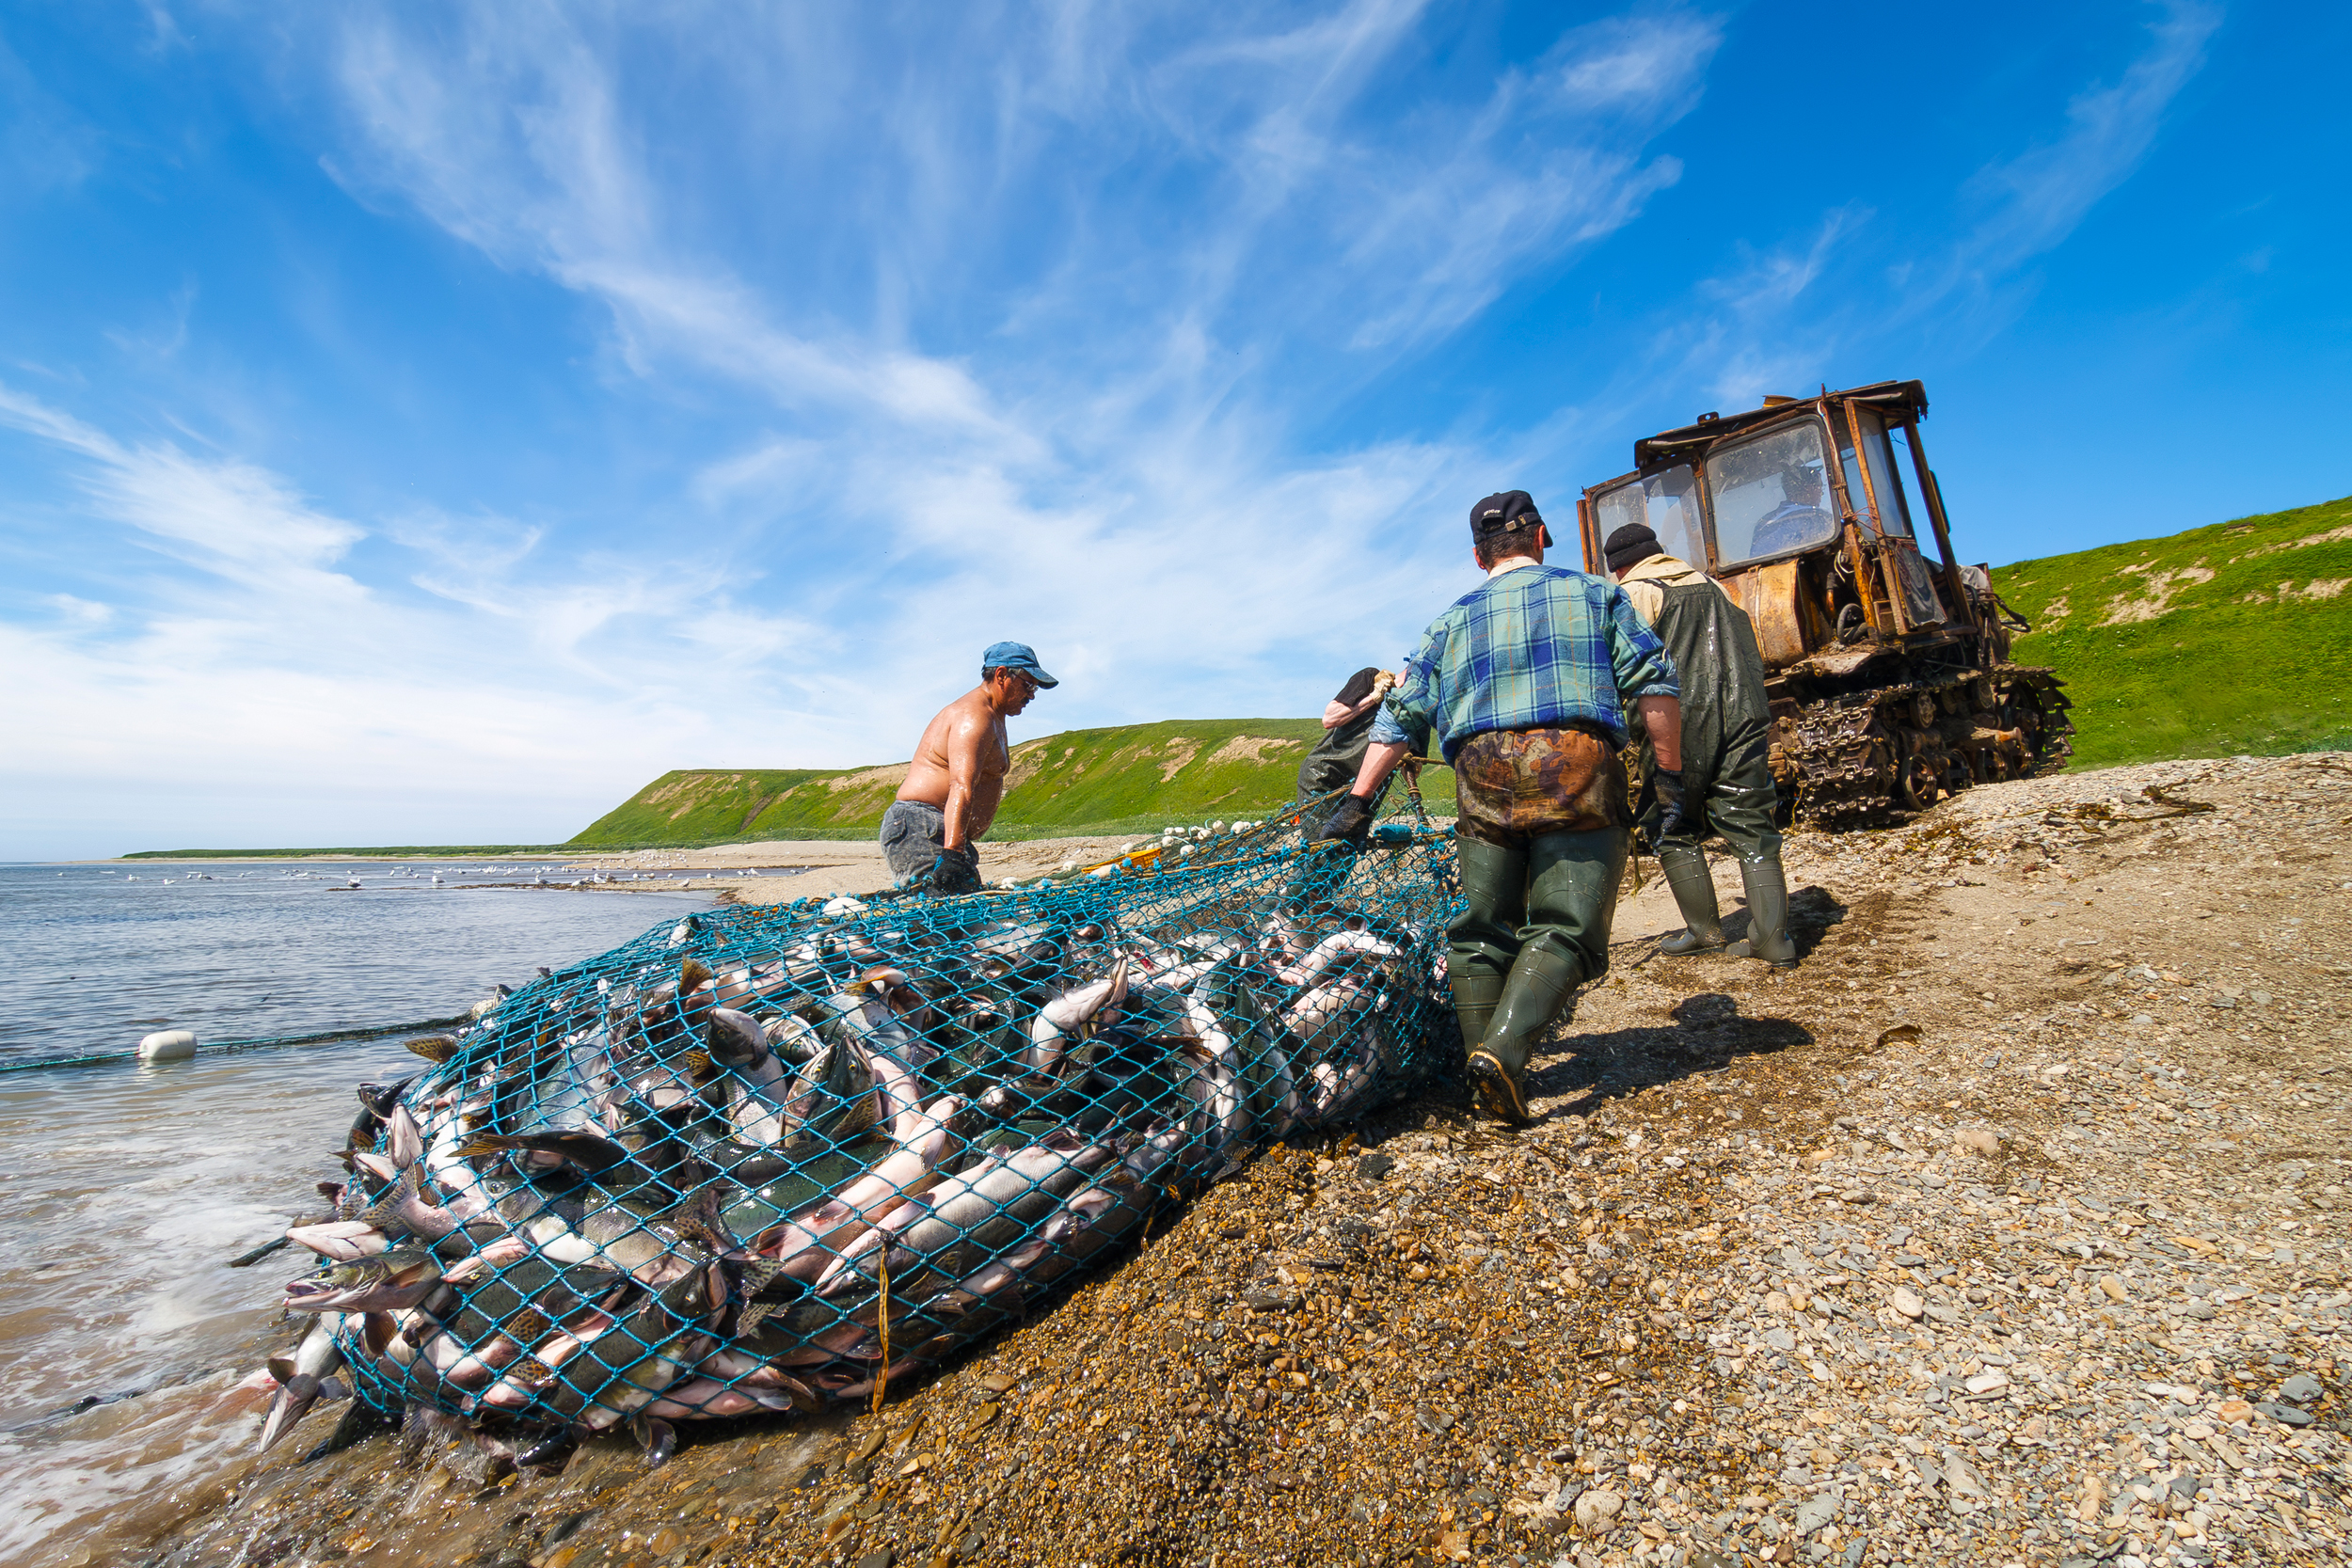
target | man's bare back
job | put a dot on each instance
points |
(957, 780)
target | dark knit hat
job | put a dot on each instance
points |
(1634, 542)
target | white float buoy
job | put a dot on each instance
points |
(167, 1045)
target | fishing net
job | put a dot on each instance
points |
(772, 1157)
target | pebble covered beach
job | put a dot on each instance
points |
(2009, 1229)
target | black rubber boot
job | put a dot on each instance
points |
(1768, 916)
(1694, 896)
(1541, 989)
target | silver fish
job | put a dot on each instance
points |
(1049, 1032)
(301, 1376)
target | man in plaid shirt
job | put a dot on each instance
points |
(1526, 681)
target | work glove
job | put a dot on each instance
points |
(956, 871)
(1350, 824)
(1670, 812)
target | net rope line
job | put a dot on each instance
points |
(776, 1157)
(255, 1042)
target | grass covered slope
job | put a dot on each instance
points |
(2221, 640)
(1105, 780)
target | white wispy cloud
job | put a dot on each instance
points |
(1135, 507)
(2035, 200)
(1016, 351)
(246, 661)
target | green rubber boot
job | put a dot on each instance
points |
(1541, 989)
(1694, 896)
(1474, 998)
(1768, 915)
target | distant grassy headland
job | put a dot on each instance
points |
(2224, 639)
(383, 852)
(1125, 779)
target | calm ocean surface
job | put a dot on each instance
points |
(125, 1189)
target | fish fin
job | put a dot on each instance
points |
(384, 1212)
(696, 1063)
(484, 1142)
(282, 1367)
(527, 1327)
(692, 975)
(433, 1048)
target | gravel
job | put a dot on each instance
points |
(2057, 1275)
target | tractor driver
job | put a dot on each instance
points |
(1799, 519)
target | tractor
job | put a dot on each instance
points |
(1887, 670)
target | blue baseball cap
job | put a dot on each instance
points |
(1015, 656)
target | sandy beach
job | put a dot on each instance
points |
(833, 866)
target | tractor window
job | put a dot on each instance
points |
(1668, 502)
(1894, 514)
(1771, 495)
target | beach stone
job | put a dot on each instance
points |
(1977, 1140)
(2114, 1289)
(1815, 1511)
(167, 1045)
(1906, 1301)
(2302, 1388)
(1962, 1478)
(2285, 1414)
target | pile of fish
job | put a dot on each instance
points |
(769, 1161)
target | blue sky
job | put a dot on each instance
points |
(424, 423)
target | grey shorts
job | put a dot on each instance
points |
(914, 836)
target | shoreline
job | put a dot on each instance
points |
(817, 866)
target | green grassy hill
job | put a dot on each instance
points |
(1110, 781)
(2224, 639)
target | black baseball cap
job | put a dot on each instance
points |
(1505, 511)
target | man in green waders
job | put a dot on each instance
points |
(1725, 750)
(1526, 681)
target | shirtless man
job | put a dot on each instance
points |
(957, 778)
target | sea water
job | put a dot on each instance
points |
(125, 1190)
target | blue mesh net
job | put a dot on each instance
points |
(771, 1158)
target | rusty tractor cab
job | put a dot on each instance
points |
(1888, 671)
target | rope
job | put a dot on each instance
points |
(257, 1042)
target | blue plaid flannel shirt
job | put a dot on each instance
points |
(1536, 646)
